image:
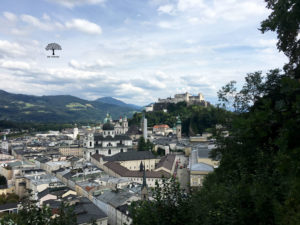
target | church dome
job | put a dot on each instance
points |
(108, 126)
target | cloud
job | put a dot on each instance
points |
(33, 21)
(151, 84)
(46, 17)
(73, 3)
(10, 16)
(168, 9)
(14, 65)
(166, 25)
(209, 11)
(11, 49)
(98, 64)
(84, 26)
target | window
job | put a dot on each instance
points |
(90, 144)
(109, 151)
(121, 149)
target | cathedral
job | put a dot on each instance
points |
(111, 140)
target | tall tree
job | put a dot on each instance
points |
(285, 21)
(170, 205)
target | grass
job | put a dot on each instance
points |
(75, 105)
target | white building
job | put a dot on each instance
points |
(106, 143)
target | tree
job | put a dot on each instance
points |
(30, 213)
(142, 144)
(170, 205)
(3, 180)
(53, 47)
(285, 21)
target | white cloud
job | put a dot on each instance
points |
(98, 64)
(73, 3)
(84, 26)
(166, 25)
(46, 17)
(190, 4)
(14, 65)
(11, 49)
(168, 9)
(10, 16)
(127, 88)
(33, 21)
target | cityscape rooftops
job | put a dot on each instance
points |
(130, 155)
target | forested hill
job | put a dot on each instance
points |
(195, 119)
(59, 108)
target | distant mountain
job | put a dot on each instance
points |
(59, 108)
(114, 101)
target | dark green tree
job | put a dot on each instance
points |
(285, 21)
(170, 205)
(142, 146)
(30, 214)
(3, 180)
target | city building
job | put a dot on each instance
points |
(107, 143)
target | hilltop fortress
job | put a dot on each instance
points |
(185, 97)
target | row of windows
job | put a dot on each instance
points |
(141, 179)
(147, 166)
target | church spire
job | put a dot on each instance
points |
(144, 179)
(144, 189)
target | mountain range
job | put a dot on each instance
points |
(60, 108)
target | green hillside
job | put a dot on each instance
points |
(59, 108)
(195, 119)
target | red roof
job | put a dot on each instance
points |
(88, 188)
(161, 126)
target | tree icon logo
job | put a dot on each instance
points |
(53, 47)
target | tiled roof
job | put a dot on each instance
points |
(124, 172)
(130, 155)
(161, 126)
(110, 138)
(166, 162)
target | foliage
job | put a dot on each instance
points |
(195, 119)
(3, 180)
(144, 145)
(257, 181)
(30, 214)
(8, 198)
(285, 20)
(161, 151)
(170, 205)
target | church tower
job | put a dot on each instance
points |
(75, 132)
(89, 142)
(144, 188)
(178, 128)
(144, 127)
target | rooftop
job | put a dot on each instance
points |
(130, 155)
(124, 172)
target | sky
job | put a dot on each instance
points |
(134, 50)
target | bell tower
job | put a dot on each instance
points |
(178, 128)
